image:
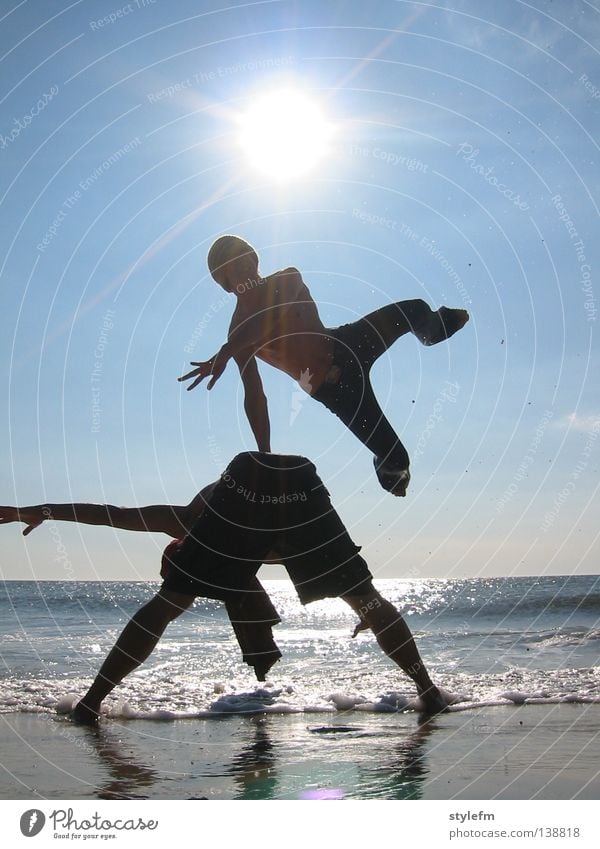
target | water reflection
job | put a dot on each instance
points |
(254, 767)
(403, 773)
(374, 760)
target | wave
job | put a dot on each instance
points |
(263, 701)
(162, 698)
(568, 638)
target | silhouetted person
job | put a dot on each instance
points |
(264, 508)
(252, 614)
(276, 320)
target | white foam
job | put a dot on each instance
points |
(159, 699)
(283, 708)
(261, 700)
(223, 706)
(396, 701)
(514, 696)
(342, 701)
(66, 703)
(319, 708)
(383, 707)
(521, 698)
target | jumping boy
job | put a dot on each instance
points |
(276, 320)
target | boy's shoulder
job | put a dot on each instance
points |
(287, 274)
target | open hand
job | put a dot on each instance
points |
(32, 516)
(362, 626)
(213, 368)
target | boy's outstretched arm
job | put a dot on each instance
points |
(170, 519)
(255, 401)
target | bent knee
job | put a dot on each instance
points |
(168, 605)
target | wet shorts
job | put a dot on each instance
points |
(268, 507)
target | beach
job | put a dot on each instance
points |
(519, 752)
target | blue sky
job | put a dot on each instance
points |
(463, 169)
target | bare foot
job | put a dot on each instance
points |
(435, 700)
(441, 325)
(392, 479)
(85, 715)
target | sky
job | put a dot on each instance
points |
(461, 168)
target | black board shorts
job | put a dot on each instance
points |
(351, 397)
(265, 505)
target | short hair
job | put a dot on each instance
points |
(226, 248)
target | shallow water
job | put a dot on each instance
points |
(492, 640)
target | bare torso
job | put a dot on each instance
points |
(292, 335)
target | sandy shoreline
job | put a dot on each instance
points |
(506, 752)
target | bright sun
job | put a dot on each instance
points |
(284, 134)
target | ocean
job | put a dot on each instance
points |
(335, 719)
(492, 641)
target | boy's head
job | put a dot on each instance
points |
(232, 260)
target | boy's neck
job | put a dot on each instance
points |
(249, 284)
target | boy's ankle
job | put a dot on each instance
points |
(85, 714)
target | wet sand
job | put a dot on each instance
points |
(503, 752)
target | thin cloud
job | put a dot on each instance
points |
(579, 422)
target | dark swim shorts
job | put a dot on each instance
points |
(266, 503)
(351, 398)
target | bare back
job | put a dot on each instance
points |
(291, 335)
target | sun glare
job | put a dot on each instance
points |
(284, 134)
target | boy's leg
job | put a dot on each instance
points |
(134, 645)
(353, 401)
(395, 638)
(381, 328)
(357, 346)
